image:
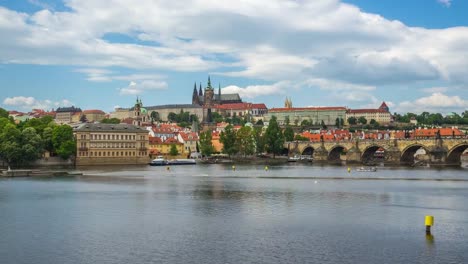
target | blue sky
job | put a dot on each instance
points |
(354, 53)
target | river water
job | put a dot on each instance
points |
(213, 214)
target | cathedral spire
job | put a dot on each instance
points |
(209, 83)
(200, 92)
(219, 93)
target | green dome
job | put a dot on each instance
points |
(144, 111)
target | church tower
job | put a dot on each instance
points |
(137, 117)
(288, 103)
(195, 99)
(208, 103)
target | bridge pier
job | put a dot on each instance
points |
(392, 156)
(354, 155)
(320, 154)
(438, 156)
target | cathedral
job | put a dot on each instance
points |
(209, 99)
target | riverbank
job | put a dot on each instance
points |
(38, 173)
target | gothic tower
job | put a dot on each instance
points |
(208, 103)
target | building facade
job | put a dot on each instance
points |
(94, 115)
(381, 115)
(107, 144)
(315, 115)
(67, 115)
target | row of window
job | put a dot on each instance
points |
(112, 137)
(111, 153)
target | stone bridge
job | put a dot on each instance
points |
(444, 151)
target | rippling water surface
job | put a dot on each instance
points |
(213, 214)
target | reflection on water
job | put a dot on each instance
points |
(211, 214)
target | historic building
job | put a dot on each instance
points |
(94, 115)
(106, 144)
(315, 115)
(381, 115)
(67, 115)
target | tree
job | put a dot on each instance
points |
(173, 151)
(274, 139)
(47, 139)
(245, 141)
(10, 144)
(259, 139)
(83, 118)
(286, 120)
(299, 137)
(63, 141)
(362, 120)
(3, 122)
(374, 123)
(206, 146)
(110, 121)
(154, 116)
(31, 145)
(288, 133)
(322, 124)
(352, 120)
(217, 117)
(4, 113)
(172, 117)
(259, 122)
(228, 138)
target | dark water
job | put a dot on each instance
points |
(212, 214)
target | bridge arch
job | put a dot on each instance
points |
(334, 155)
(373, 153)
(407, 154)
(454, 155)
(308, 150)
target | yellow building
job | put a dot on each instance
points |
(106, 144)
(94, 115)
(381, 115)
(157, 147)
(67, 115)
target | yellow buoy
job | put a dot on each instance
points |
(429, 221)
(266, 168)
(349, 170)
(233, 167)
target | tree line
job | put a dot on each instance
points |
(23, 143)
(248, 140)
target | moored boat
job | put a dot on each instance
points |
(367, 169)
(182, 162)
(159, 161)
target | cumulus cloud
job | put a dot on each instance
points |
(135, 88)
(446, 3)
(252, 91)
(27, 103)
(436, 102)
(273, 41)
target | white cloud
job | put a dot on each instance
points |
(27, 103)
(436, 102)
(252, 91)
(301, 43)
(446, 3)
(135, 88)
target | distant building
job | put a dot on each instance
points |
(242, 110)
(105, 144)
(94, 115)
(65, 115)
(315, 115)
(381, 115)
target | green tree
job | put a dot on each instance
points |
(322, 124)
(173, 151)
(259, 139)
(217, 117)
(110, 121)
(245, 141)
(299, 137)
(3, 122)
(172, 117)
(206, 146)
(63, 141)
(154, 116)
(47, 139)
(286, 120)
(4, 113)
(288, 133)
(228, 138)
(274, 139)
(31, 145)
(362, 120)
(352, 120)
(259, 122)
(10, 144)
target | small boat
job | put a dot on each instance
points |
(159, 161)
(367, 169)
(294, 158)
(182, 162)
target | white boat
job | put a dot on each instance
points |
(159, 161)
(182, 162)
(367, 169)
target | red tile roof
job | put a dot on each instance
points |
(360, 111)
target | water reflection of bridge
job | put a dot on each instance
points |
(395, 151)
